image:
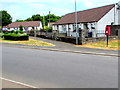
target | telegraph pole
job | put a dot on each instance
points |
(49, 16)
(43, 22)
(76, 26)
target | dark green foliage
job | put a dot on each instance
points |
(19, 20)
(13, 36)
(21, 28)
(21, 32)
(46, 19)
(5, 18)
(48, 29)
(29, 19)
(5, 32)
(16, 32)
(36, 17)
(51, 18)
(12, 31)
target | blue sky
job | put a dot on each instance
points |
(22, 9)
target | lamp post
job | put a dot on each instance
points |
(76, 26)
(49, 16)
(43, 22)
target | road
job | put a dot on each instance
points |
(50, 69)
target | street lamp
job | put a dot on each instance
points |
(43, 21)
(76, 26)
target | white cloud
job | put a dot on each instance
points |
(22, 9)
(96, 3)
(26, 1)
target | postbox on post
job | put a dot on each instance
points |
(107, 30)
(107, 33)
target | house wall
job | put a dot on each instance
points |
(28, 28)
(118, 14)
(99, 30)
(106, 20)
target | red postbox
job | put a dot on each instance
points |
(107, 30)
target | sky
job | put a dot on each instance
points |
(23, 9)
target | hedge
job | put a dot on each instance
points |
(15, 37)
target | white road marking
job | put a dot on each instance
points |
(23, 84)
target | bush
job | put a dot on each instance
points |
(21, 32)
(16, 32)
(21, 28)
(49, 29)
(1, 34)
(14, 36)
(12, 31)
(5, 32)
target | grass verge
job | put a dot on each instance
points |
(28, 42)
(113, 45)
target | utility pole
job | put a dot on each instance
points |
(76, 26)
(49, 16)
(49, 19)
(43, 22)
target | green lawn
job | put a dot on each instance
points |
(28, 42)
(113, 45)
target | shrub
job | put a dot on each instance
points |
(1, 34)
(16, 32)
(21, 28)
(14, 36)
(12, 31)
(49, 29)
(21, 32)
(5, 32)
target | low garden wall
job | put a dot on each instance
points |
(97, 39)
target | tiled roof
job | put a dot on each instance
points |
(24, 24)
(91, 15)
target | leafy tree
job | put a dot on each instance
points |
(29, 19)
(37, 17)
(21, 28)
(51, 18)
(19, 20)
(5, 18)
(44, 19)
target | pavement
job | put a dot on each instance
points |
(67, 47)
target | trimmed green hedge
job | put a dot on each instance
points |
(13, 36)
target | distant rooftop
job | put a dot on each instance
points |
(24, 24)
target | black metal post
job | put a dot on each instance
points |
(107, 40)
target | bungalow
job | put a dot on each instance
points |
(28, 25)
(92, 21)
(118, 12)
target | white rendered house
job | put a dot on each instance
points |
(28, 25)
(92, 20)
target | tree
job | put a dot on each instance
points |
(6, 18)
(19, 20)
(37, 17)
(21, 28)
(29, 19)
(51, 18)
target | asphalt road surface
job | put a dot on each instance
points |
(50, 69)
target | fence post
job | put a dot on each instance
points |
(34, 33)
(80, 36)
